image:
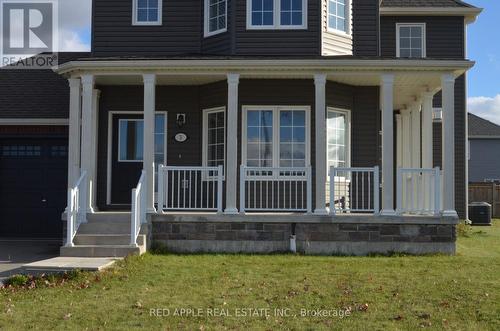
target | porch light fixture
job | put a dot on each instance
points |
(181, 120)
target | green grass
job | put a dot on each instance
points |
(384, 293)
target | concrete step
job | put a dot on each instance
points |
(106, 239)
(105, 227)
(109, 217)
(101, 251)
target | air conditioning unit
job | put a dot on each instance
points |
(480, 213)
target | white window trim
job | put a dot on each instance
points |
(277, 18)
(348, 146)
(206, 112)
(276, 132)
(134, 14)
(424, 37)
(348, 20)
(207, 32)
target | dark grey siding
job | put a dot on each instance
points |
(113, 32)
(366, 27)
(445, 35)
(278, 42)
(484, 160)
(460, 143)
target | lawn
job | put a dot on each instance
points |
(271, 292)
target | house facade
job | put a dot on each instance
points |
(268, 125)
(484, 144)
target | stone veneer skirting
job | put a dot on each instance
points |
(323, 236)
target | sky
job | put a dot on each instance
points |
(483, 47)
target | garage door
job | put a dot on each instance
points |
(33, 180)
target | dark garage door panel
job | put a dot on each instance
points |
(33, 179)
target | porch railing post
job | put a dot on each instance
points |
(309, 189)
(219, 188)
(399, 191)
(161, 188)
(437, 191)
(376, 190)
(332, 190)
(242, 188)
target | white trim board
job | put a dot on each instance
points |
(34, 121)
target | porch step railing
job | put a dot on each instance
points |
(418, 191)
(138, 212)
(354, 190)
(76, 214)
(275, 189)
(190, 188)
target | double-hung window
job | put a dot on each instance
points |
(215, 17)
(277, 14)
(147, 12)
(339, 15)
(214, 137)
(338, 138)
(410, 40)
(276, 136)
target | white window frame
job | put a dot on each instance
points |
(346, 112)
(410, 25)
(135, 20)
(206, 112)
(207, 32)
(276, 131)
(277, 18)
(347, 20)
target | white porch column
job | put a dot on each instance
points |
(387, 101)
(427, 132)
(448, 86)
(406, 138)
(232, 143)
(399, 140)
(320, 135)
(149, 128)
(87, 139)
(75, 102)
(415, 136)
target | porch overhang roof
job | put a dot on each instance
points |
(253, 67)
(411, 77)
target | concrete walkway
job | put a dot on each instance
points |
(14, 253)
(62, 264)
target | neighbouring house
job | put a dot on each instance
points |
(484, 150)
(251, 126)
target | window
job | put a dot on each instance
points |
(410, 40)
(338, 15)
(276, 136)
(147, 12)
(214, 137)
(338, 138)
(215, 17)
(276, 14)
(131, 140)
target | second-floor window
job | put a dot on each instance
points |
(147, 12)
(276, 14)
(215, 17)
(410, 40)
(338, 15)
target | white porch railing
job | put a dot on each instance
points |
(419, 191)
(190, 188)
(275, 189)
(138, 213)
(354, 190)
(76, 209)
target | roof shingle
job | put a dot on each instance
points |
(479, 127)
